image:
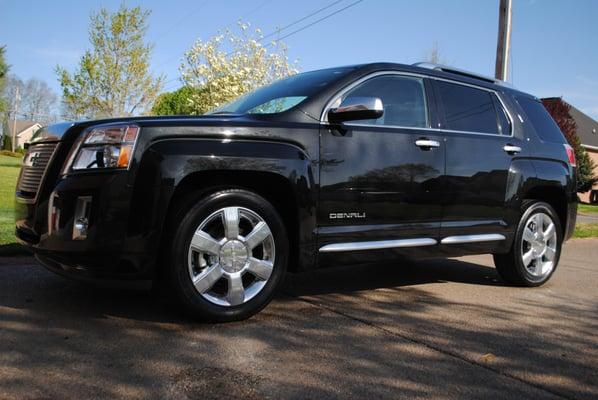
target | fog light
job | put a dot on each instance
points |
(81, 218)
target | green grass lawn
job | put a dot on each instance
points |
(588, 209)
(586, 231)
(9, 172)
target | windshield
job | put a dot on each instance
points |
(283, 94)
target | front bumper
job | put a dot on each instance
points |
(110, 248)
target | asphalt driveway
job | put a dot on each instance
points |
(430, 329)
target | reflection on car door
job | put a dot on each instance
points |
(378, 182)
(479, 152)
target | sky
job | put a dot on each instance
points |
(554, 42)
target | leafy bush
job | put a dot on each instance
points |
(19, 153)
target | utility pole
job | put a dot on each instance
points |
(503, 46)
(14, 121)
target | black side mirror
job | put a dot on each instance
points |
(356, 108)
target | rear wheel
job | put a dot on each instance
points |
(536, 249)
(229, 255)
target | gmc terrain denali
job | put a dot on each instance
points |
(338, 166)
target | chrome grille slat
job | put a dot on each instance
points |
(31, 177)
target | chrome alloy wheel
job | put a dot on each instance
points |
(231, 256)
(539, 245)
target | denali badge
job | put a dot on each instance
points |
(346, 215)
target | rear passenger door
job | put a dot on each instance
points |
(480, 149)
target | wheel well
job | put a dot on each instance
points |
(273, 187)
(553, 196)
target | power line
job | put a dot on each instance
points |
(187, 15)
(301, 19)
(327, 16)
(250, 12)
(321, 19)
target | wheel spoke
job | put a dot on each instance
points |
(259, 233)
(236, 291)
(528, 257)
(260, 268)
(528, 235)
(202, 241)
(231, 223)
(208, 278)
(541, 220)
(550, 253)
(538, 264)
(549, 231)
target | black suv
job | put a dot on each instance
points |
(345, 165)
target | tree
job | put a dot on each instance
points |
(37, 99)
(559, 110)
(3, 71)
(176, 103)
(434, 55)
(113, 78)
(227, 73)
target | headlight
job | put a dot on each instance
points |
(103, 147)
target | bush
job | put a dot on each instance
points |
(9, 153)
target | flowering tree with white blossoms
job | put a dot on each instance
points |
(229, 65)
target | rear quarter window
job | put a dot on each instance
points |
(541, 120)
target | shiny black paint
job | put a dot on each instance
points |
(466, 186)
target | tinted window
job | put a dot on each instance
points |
(403, 98)
(541, 120)
(283, 94)
(468, 109)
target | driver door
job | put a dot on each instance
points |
(381, 179)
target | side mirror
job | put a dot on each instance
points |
(356, 108)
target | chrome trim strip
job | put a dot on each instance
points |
(472, 238)
(376, 245)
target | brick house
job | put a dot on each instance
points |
(587, 131)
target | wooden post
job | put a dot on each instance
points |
(14, 122)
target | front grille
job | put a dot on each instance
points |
(35, 163)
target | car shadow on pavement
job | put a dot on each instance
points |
(390, 275)
(328, 335)
(43, 291)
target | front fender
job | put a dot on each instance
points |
(167, 163)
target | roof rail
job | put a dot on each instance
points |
(452, 70)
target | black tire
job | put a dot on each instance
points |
(185, 223)
(511, 266)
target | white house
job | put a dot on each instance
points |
(25, 130)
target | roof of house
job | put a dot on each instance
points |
(21, 125)
(587, 127)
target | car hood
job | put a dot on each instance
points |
(64, 130)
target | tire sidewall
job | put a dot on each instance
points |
(186, 227)
(536, 208)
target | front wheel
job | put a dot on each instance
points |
(229, 255)
(536, 249)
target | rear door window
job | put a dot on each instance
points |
(469, 109)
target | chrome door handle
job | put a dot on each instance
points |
(512, 149)
(427, 143)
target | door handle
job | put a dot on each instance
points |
(426, 143)
(509, 148)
